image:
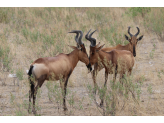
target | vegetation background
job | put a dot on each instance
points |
(29, 33)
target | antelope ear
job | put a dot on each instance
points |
(98, 45)
(97, 49)
(79, 47)
(127, 38)
(73, 47)
(140, 38)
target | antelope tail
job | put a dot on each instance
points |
(30, 71)
(30, 79)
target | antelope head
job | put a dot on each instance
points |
(93, 53)
(82, 54)
(133, 40)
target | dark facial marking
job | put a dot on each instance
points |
(134, 51)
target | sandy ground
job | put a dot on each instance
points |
(151, 104)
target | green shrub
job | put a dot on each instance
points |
(5, 14)
(112, 36)
(154, 22)
(25, 32)
(118, 92)
(19, 74)
(34, 36)
(134, 11)
(5, 57)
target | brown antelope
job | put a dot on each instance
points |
(131, 46)
(115, 61)
(53, 68)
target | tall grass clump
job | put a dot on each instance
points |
(5, 58)
(6, 14)
(118, 96)
(19, 73)
(119, 93)
(112, 36)
(154, 22)
(135, 11)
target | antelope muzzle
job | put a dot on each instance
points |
(89, 68)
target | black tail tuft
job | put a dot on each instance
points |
(30, 71)
(30, 79)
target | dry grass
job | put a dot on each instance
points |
(39, 32)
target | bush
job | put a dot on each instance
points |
(154, 22)
(5, 57)
(134, 11)
(112, 36)
(19, 73)
(5, 15)
(118, 95)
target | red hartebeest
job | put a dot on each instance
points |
(53, 68)
(115, 61)
(131, 46)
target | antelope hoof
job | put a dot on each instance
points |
(88, 71)
(34, 111)
(101, 104)
(94, 91)
(29, 110)
(65, 109)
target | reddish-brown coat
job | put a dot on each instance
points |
(59, 67)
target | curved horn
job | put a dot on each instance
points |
(77, 34)
(86, 36)
(129, 32)
(92, 39)
(76, 38)
(137, 32)
(81, 35)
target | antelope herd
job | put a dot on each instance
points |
(115, 60)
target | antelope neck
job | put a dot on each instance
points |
(74, 57)
(128, 46)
